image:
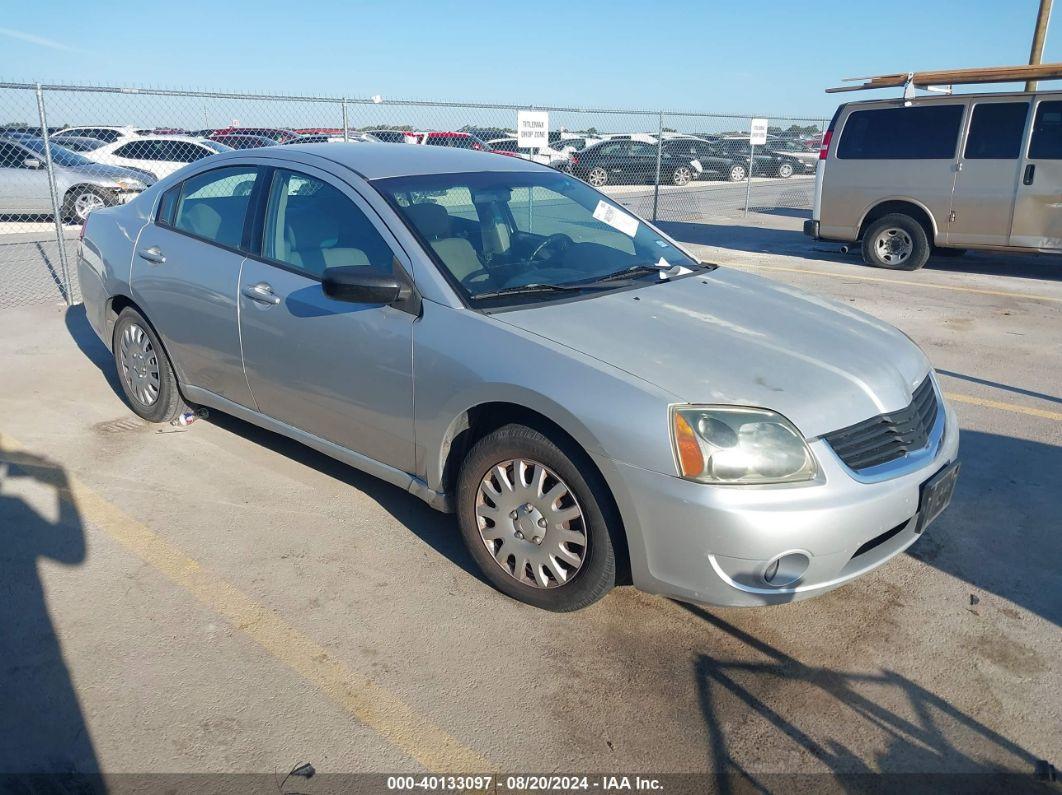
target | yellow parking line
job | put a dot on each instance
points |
(912, 283)
(371, 704)
(998, 404)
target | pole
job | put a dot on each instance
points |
(748, 177)
(659, 144)
(1039, 36)
(57, 215)
(346, 127)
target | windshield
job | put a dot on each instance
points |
(217, 147)
(501, 231)
(60, 155)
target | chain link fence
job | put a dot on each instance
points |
(66, 150)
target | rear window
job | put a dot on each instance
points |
(1046, 141)
(919, 133)
(996, 130)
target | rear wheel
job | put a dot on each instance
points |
(682, 175)
(597, 176)
(536, 519)
(144, 369)
(738, 173)
(82, 200)
(896, 241)
(785, 170)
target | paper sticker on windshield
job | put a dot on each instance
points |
(616, 218)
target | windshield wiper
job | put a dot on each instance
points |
(626, 273)
(535, 287)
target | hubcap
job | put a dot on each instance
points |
(139, 365)
(86, 203)
(682, 176)
(785, 171)
(597, 176)
(531, 523)
(737, 173)
(893, 246)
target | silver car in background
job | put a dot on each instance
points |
(81, 184)
(505, 342)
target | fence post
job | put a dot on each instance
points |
(659, 144)
(346, 127)
(57, 213)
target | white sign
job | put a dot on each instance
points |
(532, 129)
(758, 132)
(616, 218)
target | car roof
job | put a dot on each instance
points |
(380, 160)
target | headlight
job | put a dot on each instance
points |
(128, 183)
(723, 444)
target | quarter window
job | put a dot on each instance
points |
(213, 205)
(311, 226)
(996, 130)
(1047, 132)
(928, 132)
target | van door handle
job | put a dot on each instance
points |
(153, 254)
(262, 293)
(1030, 172)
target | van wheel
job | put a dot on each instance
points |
(537, 519)
(896, 241)
(144, 369)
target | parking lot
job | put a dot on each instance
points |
(218, 599)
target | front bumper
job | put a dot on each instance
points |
(713, 544)
(811, 228)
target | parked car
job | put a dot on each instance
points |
(242, 141)
(77, 143)
(595, 404)
(950, 173)
(691, 158)
(453, 140)
(394, 136)
(767, 161)
(546, 155)
(105, 134)
(618, 161)
(333, 138)
(807, 154)
(159, 155)
(276, 134)
(82, 185)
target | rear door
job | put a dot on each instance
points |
(340, 371)
(186, 272)
(23, 189)
(982, 204)
(1038, 210)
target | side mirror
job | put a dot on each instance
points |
(31, 162)
(358, 285)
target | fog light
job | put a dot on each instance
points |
(786, 569)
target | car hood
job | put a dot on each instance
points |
(727, 337)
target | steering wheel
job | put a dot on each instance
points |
(475, 277)
(558, 241)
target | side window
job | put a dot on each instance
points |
(110, 136)
(435, 140)
(310, 226)
(1047, 132)
(12, 156)
(140, 150)
(927, 132)
(182, 151)
(643, 150)
(996, 130)
(610, 150)
(168, 204)
(213, 205)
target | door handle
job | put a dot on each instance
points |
(1030, 173)
(153, 254)
(262, 293)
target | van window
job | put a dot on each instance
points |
(929, 132)
(996, 131)
(1047, 132)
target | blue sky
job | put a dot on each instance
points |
(766, 57)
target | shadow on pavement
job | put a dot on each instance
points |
(997, 385)
(918, 734)
(42, 729)
(88, 343)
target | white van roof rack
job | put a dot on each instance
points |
(909, 81)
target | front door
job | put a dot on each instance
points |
(23, 189)
(187, 269)
(340, 371)
(982, 202)
(1038, 209)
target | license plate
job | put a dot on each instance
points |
(936, 494)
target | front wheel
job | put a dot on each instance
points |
(682, 176)
(536, 519)
(82, 200)
(144, 369)
(785, 170)
(897, 242)
(597, 176)
(738, 173)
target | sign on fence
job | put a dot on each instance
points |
(532, 129)
(758, 132)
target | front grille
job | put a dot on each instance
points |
(887, 437)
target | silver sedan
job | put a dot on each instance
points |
(506, 343)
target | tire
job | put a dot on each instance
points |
(137, 353)
(82, 199)
(597, 176)
(896, 242)
(683, 175)
(738, 173)
(949, 253)
(785, 170)
(580, 517)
